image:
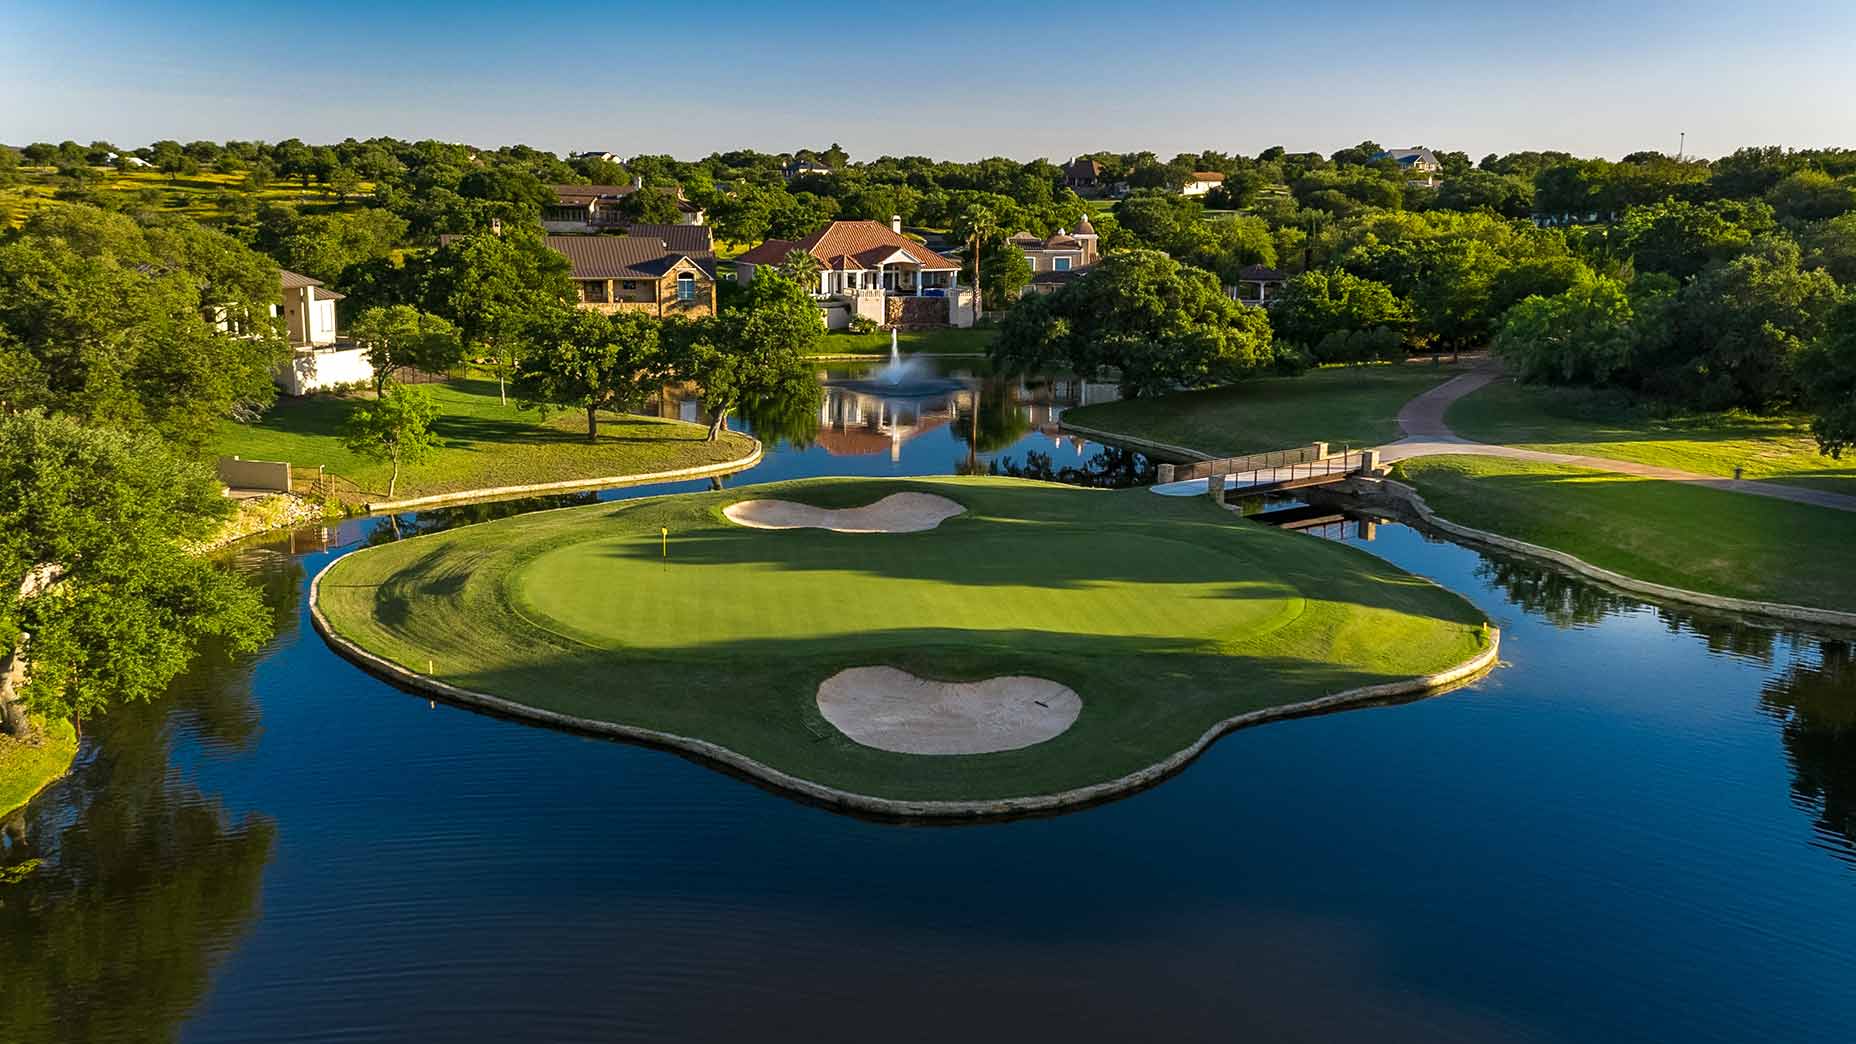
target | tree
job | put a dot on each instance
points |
(495, 287)
(323, 246)
(1584, 335)
(1317, 308)
(1005, 269)
(650, 206)
(1740, 327)
(1828, 373)
(401, 335)
(99, 603)
(1681, 239)
(104, 321)
(396, 428)
(593, 362)
(1161, 324)
(753, 352)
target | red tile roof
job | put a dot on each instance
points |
(850, 244)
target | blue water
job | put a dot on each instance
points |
(1638, 829)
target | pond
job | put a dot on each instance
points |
(1642, 827)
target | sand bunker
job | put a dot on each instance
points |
(893, 710)
(896, 513)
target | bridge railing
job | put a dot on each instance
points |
(1250, 462)
(1335, 466)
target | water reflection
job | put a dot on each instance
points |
(1815, 703)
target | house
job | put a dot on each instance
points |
(1202, 182)
(1255, 284)
(873, 271)
(596, 208)
(1057, 259)
(319, 358)
(609, 157)
(800, 168)
(641, 273)
(1082, 175)
(1421, 164)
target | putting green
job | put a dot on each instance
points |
(1166, 615)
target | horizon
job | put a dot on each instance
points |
(1046, 82)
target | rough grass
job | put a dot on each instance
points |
(1692, 537)
(1165, 614)
(972, 340)
(1343, 405)
(193, 195)
(1597, 424)
(25, 768)
(485, 444)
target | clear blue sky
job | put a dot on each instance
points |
(941, 78)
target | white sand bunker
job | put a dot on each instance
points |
(893, 710)
(896, 513)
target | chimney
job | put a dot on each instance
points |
(637, 181)
(895, 223)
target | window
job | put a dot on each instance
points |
(1060, 264)
(1034, 261)
(686, 287)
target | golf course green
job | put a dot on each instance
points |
(1167, 616)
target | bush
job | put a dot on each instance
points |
(863, 324)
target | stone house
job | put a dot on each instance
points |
(1057, 259)
(597, 208)
(639, 273)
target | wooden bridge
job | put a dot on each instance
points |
(1275, 471)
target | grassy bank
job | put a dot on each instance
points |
(485, 444)
(973, 340)
(1344, 405)
(1166, 615)
(1600, 424)
(26, 768)
(1686, 536)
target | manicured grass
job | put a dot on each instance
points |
(1342, 405)
(193, 195)
(1596, 424)
(974, 340)
(1165, 614)
(486, 444)
(25, 768)
(1672, 533)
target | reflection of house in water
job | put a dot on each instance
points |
(853, 423)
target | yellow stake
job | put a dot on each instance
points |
(664, 533)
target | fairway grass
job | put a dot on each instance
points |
(483, 444)
(1672, 533)
(1594, 424)
(1167, 616)
(1346, 406)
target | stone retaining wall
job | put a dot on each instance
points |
(1401, 498)
(727, 467)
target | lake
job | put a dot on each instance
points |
(1639, 828)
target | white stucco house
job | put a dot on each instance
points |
(1202, 181)
(319, 358)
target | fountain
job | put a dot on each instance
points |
(900, 378)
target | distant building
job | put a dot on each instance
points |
(641, 273)
(1202, 182)
(1056, 260)
(873, 271)
(596, 208)
(1421, 165)
(609, 157)
(1256, 284)
(1084, 176)
(800, 168)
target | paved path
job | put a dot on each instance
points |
(1422, 422)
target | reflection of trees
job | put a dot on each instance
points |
(1109, 468)
(992, 421)
(790, 418)
(1816, 705)
(141, 881)
(437, 520)
(1565, 601)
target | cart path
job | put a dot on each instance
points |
(1426, 434)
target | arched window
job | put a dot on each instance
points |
(686, 287)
